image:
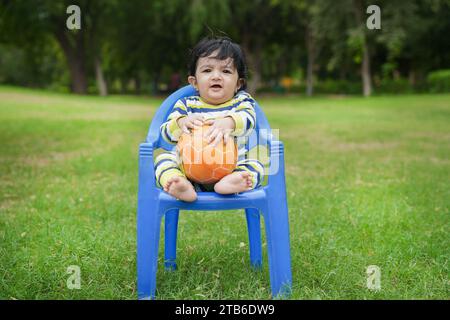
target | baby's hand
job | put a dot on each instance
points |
(220, 129)
(191, 121)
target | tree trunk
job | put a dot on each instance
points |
(311, 50)
(75, 59)
(365, 70)
(78, 76)
(412, 77)
(358, 8)
(101, 83)
(137, 81)
(254, 62)
(155, 81)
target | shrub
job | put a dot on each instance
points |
(439, 80)
(399, 86)
(330, 86)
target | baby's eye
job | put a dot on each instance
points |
(206, 70)
(227, 71)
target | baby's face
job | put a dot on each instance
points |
(217, 81)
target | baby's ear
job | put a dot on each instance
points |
(192, 81)
(240, 83)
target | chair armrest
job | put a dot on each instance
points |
(146, 166)
(146, 147)
(276, 168)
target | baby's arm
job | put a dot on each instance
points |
(244, 116)
(239, 123)
(179, 121)
(170, 130)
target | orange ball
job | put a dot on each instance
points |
(202, 162)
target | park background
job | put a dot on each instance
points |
(364, 115)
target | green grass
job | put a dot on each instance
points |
(367, 180)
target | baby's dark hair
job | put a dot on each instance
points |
(225, 49)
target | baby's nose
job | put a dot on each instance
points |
(216, 75)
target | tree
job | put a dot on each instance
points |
(412, 34)
(254, 25)
(344, 27)
(359, 8)
(302, 16)
(33, 23)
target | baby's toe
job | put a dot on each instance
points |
(175, 179)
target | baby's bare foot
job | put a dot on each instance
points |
(180, 188)
(238, 181)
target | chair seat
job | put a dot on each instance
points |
(214, 202)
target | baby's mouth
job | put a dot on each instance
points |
(216, 86)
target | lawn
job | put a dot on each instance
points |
(367, 180)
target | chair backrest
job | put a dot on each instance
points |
(154, 134)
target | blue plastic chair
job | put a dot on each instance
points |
(154, 203)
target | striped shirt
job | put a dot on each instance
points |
(240, 108)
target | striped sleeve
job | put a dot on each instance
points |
(244, 115)
(170, 131)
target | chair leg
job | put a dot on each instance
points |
(277, 234)
(148, 232)
(170, 239)
(254, 237)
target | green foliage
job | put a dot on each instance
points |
(42, 66)
(439, 81)
(394, 86)
(330, 86)
(12, 66)
(201, 19)
(145, 42)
